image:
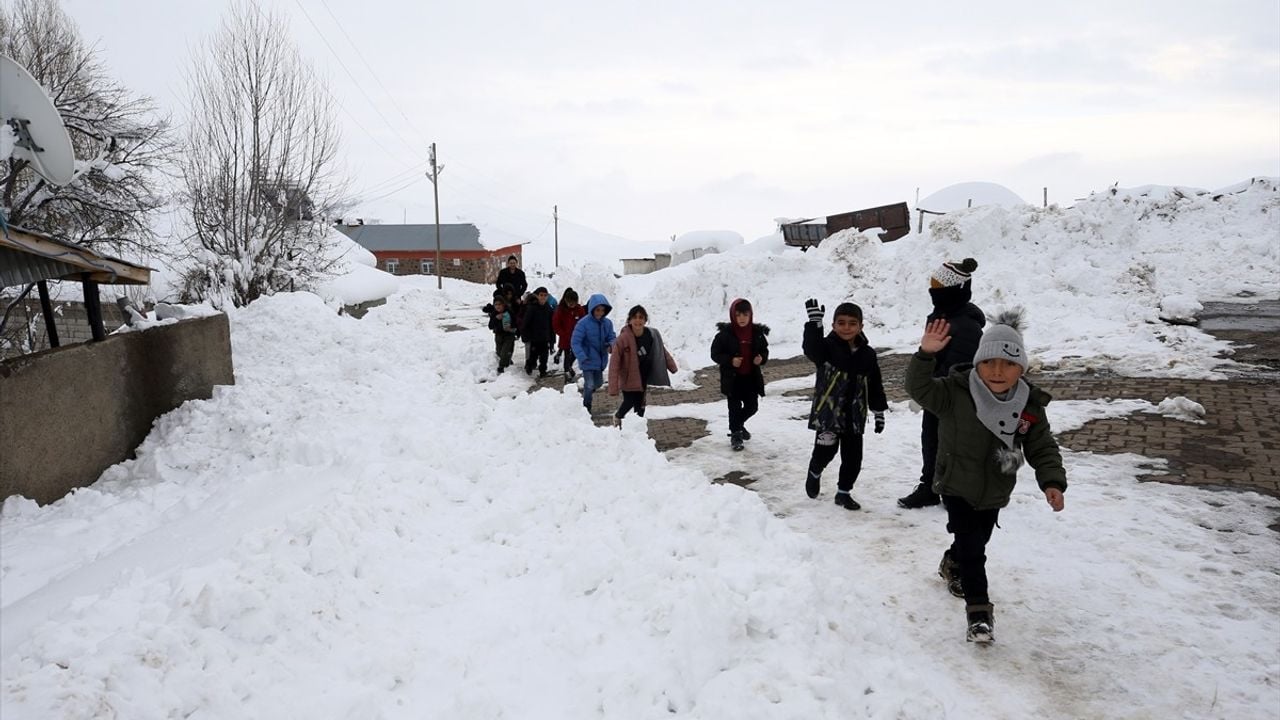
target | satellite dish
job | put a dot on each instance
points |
(40, 136)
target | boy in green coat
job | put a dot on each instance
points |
(989, 418)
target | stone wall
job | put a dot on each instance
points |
(69, 413)
(70, 318)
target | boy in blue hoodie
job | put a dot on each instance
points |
(592, 340)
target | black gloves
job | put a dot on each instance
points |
(814, 310)
(879, 422)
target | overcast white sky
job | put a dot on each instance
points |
(648, 120)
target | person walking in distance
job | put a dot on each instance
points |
(741, 348)
(592, 341)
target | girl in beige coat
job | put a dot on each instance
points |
(639, 360)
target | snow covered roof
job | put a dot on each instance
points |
(382, 238)
(960, 195)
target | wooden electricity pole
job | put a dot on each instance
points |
(555, 217)
(434, 175)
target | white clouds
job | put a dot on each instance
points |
(628, 113)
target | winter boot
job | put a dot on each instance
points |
(735, 439)
(922, 496)
(846, 501)
(812, 483)
(982, 624)
(949, 570)
(745, 435)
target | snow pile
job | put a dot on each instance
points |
(355, 277)
(311, 542)
(1181, 408)
(1096, 279)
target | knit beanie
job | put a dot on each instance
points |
(953, 274)
(1003, 339)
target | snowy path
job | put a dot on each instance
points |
(360, 529)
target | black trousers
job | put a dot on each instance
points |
(568, 360)
(928, 447)
(850, 447)
(631, 400)
(504, 344)
(535, 353)
(972, 530)
(744, 401)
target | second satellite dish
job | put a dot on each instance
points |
(40, 135)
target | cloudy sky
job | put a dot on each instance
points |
(649, 120)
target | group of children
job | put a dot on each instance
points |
(981, 417)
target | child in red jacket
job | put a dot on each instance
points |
(567, 314)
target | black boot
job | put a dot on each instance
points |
(922, 496)
(982, 624)
(846, 501)
(949, 570)
(735, 439)
(813, 483)
(745, 435)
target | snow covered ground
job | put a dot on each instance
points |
(371, 524)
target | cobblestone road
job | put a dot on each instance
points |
(1238, 447)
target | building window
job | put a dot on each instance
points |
(393, 266)
(457, 262)
(427, 267)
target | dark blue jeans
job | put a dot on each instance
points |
(591, 380)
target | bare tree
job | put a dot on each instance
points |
(123, 149)
(260, 165)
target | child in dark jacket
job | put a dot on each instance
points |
(536, 332)
(848, 382)
(504, 331)
(950, 288)
(741, 348)
(989, 419)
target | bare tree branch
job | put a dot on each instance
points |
(260, 170)
(123, 149)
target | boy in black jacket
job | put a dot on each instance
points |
(950, 288)
(848, 382)
(535, 330)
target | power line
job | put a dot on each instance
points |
(356, 46)
(343, 65)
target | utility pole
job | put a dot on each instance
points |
(434, 175)
(555, 217)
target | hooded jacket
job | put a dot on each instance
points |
(725, 347)
(592, 338)
(848, 382)
(968, 463)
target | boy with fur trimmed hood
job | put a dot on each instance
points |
(848, 383)
(741, 348)
(989, 419)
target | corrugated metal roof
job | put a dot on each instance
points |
(460, 236)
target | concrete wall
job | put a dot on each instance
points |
(69, 413)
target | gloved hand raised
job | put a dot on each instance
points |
(879, 422)
(814, 310)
